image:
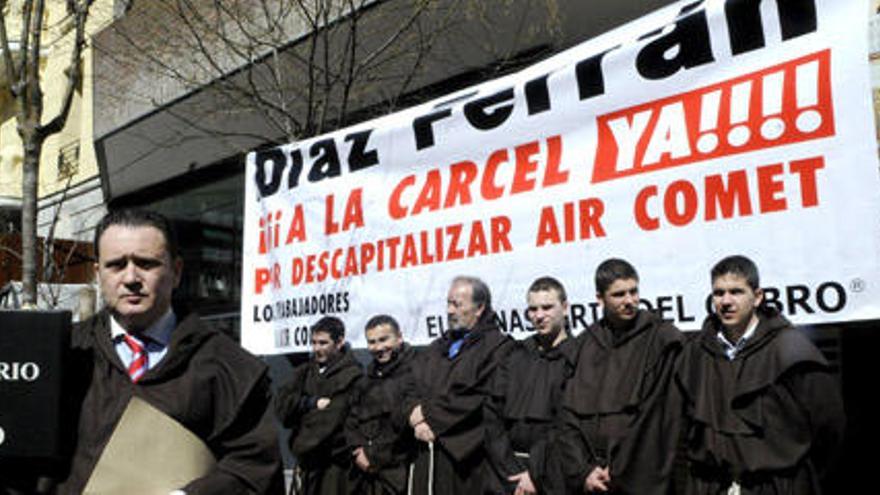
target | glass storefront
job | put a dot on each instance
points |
(208, 219)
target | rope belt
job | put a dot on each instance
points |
(412, 468)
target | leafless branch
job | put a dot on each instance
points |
(11, 251)
(302, 66)
(48, 260)
(32, 72)
(24, 36)
(11, 73)
(73, 71)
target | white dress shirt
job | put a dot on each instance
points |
(154, 339)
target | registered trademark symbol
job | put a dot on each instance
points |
(857, 285)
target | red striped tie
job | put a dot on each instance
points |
(138, 359)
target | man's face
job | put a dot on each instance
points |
(323, 347)
(546, 311)
(461, 311)
(136, 274)
(382, 341)
(621, 301)
(735, 301)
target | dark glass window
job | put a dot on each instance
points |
(208, 219)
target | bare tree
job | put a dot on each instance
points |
(303, 67)
(60, 257)
(25, 88)
(59, 262)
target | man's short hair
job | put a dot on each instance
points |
(611, 270)
(138, 218)
(549, 283)
(738, 265)
(332, 326)
(382, 320)
(480, 294)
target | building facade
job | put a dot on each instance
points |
(198, 105)
(69, 193)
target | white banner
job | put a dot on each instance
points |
(702, 130)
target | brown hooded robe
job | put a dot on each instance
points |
(206, 382)
(617, 411)
(377, 425)
(318, 435)
(771, 419)
(527, 395)
(454, 394)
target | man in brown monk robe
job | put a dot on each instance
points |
(143, 348)
(528, 390)
(447, 406)
(619, 424)
(379, 437)
(314, 405)
(763, 411)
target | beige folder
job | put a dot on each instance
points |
(149, 453)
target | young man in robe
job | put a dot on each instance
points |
(379, 437)
(447, 407)
(763, 410)
(620, 424)
(314, 405)
(527, 393)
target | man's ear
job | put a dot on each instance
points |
(178, 270)
(759, 296)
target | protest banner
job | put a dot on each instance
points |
(701, 130)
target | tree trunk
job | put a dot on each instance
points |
(29, 179)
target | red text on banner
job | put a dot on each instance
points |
(784, 104)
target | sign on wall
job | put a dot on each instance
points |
(702, 130)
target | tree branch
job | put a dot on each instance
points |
(11, 251)
(24, 36)
(48, 241)
(11, 73)
(74, 68)
(391, 40)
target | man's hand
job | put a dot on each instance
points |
(360, 459)
(323, 402)
(524, 484)
(424, 432)
(421, 428)
(416, 416)
(597, 480)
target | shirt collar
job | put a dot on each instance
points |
(159, 331)
(731, 349)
